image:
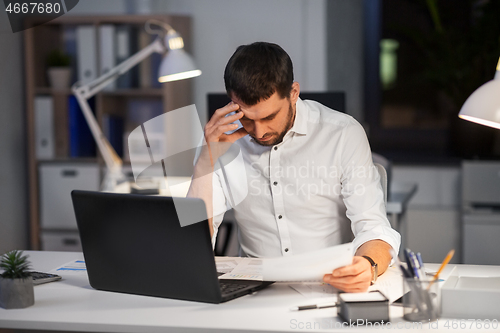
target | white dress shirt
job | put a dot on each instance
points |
(304, 193)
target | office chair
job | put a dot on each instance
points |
(383, 179)
(387, 164)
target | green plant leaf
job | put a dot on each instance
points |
(15, 265)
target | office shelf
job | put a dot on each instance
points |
(39, 41)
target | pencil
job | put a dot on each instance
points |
(443, 265)
(445, 262)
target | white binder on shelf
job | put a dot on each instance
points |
(107, 51)
(87, 55)
(44, 127)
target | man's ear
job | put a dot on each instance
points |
(294, 93)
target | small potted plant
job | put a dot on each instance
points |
(16, 283)
(59, 70)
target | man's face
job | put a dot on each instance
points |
(268, 121)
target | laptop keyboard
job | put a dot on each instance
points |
(39, 278)
(227, 288)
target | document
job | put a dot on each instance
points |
(73, 267)
(316, 290)
(310, 266)
(390, 284)
(226, 264)
(245, 269)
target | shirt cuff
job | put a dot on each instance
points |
(386, 234)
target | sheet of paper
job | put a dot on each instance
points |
(226, 264)
(72, 267)
(247, 269)
(310, 266)
(315, 290)
(390, 284)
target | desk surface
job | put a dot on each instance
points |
(72, 305)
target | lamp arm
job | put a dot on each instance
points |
(90, 89)
(111, 158)
(84, 92)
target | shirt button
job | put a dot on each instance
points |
(275, 183)
(286, 250)
(275, 148)
(279, 216)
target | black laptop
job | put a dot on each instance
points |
(134, 244)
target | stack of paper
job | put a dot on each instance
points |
(310, 266)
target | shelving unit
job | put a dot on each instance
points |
(39, 41)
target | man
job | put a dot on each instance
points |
(308, 171)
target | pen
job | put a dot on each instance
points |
(421, 264)
(408, 261)
(413, 265)
(406, 274)
(313, 306)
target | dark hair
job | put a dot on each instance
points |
(256, 71)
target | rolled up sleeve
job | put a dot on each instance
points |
(362, 192)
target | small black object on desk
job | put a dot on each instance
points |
(369, 307)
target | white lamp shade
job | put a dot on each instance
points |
(483, 106)
(177, 65)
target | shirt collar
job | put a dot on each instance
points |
(301, 115)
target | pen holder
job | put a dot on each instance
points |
(421, 300)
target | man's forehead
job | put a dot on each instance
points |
(263, 108)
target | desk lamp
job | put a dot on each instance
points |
(176, 65)
(483, 106)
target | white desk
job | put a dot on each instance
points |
(72, 305)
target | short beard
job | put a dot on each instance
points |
(279, 139)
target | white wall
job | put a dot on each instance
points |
(13, 182)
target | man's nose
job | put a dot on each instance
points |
(259, 130)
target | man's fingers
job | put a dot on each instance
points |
(219, 113)
(350, 284)
(217, 124)
(347, 270)
(350, 279)
(237, 135)
(225, 128)
(229, 119)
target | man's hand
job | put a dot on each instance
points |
(217, 126)
(354, 278)
(217, 144)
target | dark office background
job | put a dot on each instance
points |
(445, 50)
